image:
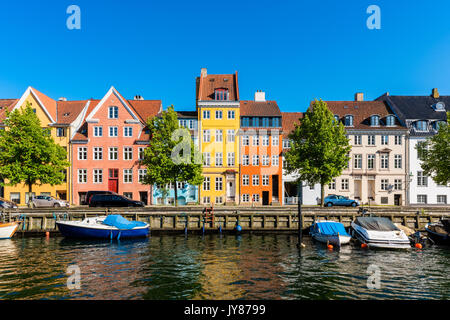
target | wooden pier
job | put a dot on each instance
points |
(192, 219)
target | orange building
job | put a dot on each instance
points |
(261, 157)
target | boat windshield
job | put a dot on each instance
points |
(376, 223)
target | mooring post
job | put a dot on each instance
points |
(300, 218)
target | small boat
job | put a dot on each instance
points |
(113, 226)
(330, 232)
(379, 232)
(439, 232)
(7, 230)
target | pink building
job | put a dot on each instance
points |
(108, 145)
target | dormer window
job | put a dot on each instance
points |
(438, 124)
(349, 121)
(420, 125)
(221, 94)
(374, 121)
(336, 118)
(439, 106)
(390, 121)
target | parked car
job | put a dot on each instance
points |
(47, 201)
(6, 204)
(335, 200)
(113, 200)
(89, 195)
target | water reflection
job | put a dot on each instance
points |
(216, 267)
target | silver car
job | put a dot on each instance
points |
(47, 201)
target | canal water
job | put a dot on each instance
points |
(217, 267)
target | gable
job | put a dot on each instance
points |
(31, 96)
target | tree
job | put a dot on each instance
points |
(320, 148)
(28, 153)
(171, 156)
(435, 154)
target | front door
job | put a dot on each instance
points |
(397, 199)
(144, 197)
(113, 181)
(265, 198)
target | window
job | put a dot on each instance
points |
(370, 161)
(357, 140)
(206, 159)
(397, 184)
(128, 195)
(82, 153)
(127, 131)
(192, 124)
(255, 197)
(141, 151)
(113, 131)
(332, 185)
(113, 153)
(141, 175)
(265, 140)
(398, 161)
(82, 175)
(245, 122)
(255, 160)
(60, 132)
(265, 122)
(98, 153)
(113, 113)
(245, 179)
(286, 144)
(422, 198)
(206, 200)
(371, 140)
(265, 180)
(182, 123)
(275, 160)
(219, 186)
(421, 153)
(265, 160)
(384, 161)
(358, 161)
(245, 198)
(422, 180)
(384, 140)
(421, 125)
(384, 184)
(127, 175)
(442, 199)
(219, 159)
(275, 140)
(230, 159)
(98, 176)
(255, 122)
(206, 136)
(98, 131)
(219, 136)
(245, 160)
(275, 122)
(384, 200)
(206, 184)
(206, 114)
(390, 121)
(255, 139)
(218, 114)
(231, 114)
(255, 180)
(349, 121)
(221, 94)
(219, 200)
(344, 184)
(15, 197)
(230, 135)
(336, 118)
(374, 121)
(397, 140)
(245, 140)
(127, 153)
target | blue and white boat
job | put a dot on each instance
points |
(104, 227)
(330, 232)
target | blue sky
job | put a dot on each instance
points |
(295, 51)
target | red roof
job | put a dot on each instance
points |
(260, 109)
(146, 108)
(206, 86)
(289, 120)
(48, 103)
(68, 111)
(6, 105)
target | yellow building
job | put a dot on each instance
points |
(218, 111)
(62, 119)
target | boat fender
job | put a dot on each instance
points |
(364, 245)
(418, 245)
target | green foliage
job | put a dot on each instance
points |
(28, 152)
(435, 155)
(172, 155)
(320, 148)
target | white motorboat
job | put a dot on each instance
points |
(331, 232)
(7, 230)
(379, 232)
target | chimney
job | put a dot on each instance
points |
(62, 99)
(435, 93)
(203, 72)
(138, 97)
(260, 96)
(359, 96)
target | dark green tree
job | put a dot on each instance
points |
(171, 156)
(28, 153)
(320, 148)
(435, 154)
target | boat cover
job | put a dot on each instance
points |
(116, 220)
(331, 228)
(376, 223)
